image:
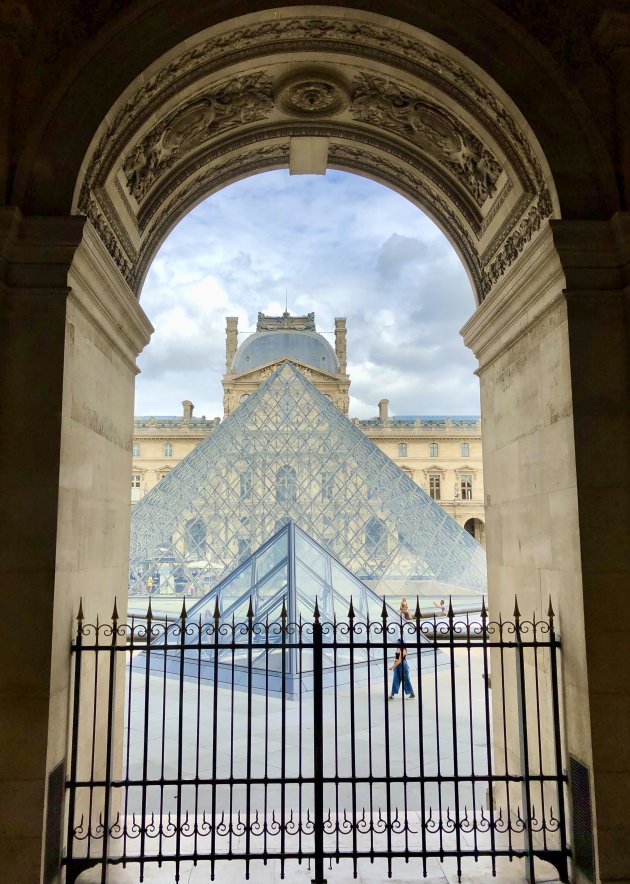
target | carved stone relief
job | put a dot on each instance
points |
(379, 101)
(243, 100)
(315, 93)
(384, 103)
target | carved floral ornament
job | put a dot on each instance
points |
(375, 102)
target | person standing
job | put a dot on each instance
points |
(401, 672)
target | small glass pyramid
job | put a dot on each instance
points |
(279, 586)
(287, 453)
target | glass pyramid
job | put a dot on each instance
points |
(283, 581)
(287, 453)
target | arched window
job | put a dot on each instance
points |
(464, 449)
(286, 485)
(244, 397)
(433, 449)
(195, 538)
(402, 449)
(168, 449)
(135, 449)
(376, 537)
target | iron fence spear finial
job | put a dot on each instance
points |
(351, 610)
(184, 613)
(115, 612)
(149, 611)
(517, 613)
(450, 612)
(217, 614)
(384, 611)
(80, 616)
(418, 613)
(316, 611)
(484, 611)
(550, 612)
(250, 610)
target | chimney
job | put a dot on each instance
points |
(383, 410)
(340, 343)
(188, 409)
(231, 340)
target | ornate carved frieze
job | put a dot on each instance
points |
(514, 244)
(243, 100)
(388, 105)
(312, 93)
(110, 241)
(430, 151)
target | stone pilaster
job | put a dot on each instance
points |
(554, 356)
(71, 331)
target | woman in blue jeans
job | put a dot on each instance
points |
(401, 672)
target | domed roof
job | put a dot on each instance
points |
(268, 346)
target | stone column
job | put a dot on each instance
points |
(554, 355)
(340, 343)
(71, 330)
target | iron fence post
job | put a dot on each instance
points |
(318, 749)
(524, 747)
(74, 750)
(109, 758)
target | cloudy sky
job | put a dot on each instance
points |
(338, 245)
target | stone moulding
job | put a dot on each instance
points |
(316, 92)
(286, 130)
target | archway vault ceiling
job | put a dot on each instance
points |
(394, 105)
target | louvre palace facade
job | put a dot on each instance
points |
(443, 455)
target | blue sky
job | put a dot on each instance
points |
(338, 245)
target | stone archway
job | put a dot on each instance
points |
(143, 125)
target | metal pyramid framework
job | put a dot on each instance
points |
(287, 453)
(271, 599)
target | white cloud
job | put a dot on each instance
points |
(338, 245)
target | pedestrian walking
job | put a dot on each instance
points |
(404, 609)
(401, 672)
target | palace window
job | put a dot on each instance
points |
(402, 449)
(245, 491)
(466, 487)
(135, 487)
(135, 450)
(327, 486)
(168, 449)
(286, 485)
(434, 487)
(376, 537)
(464, 449)
(195, 538)
(433, 449)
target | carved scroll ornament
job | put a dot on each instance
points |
(243, 100)
(383, 103)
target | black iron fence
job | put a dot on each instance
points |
(205, 742)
